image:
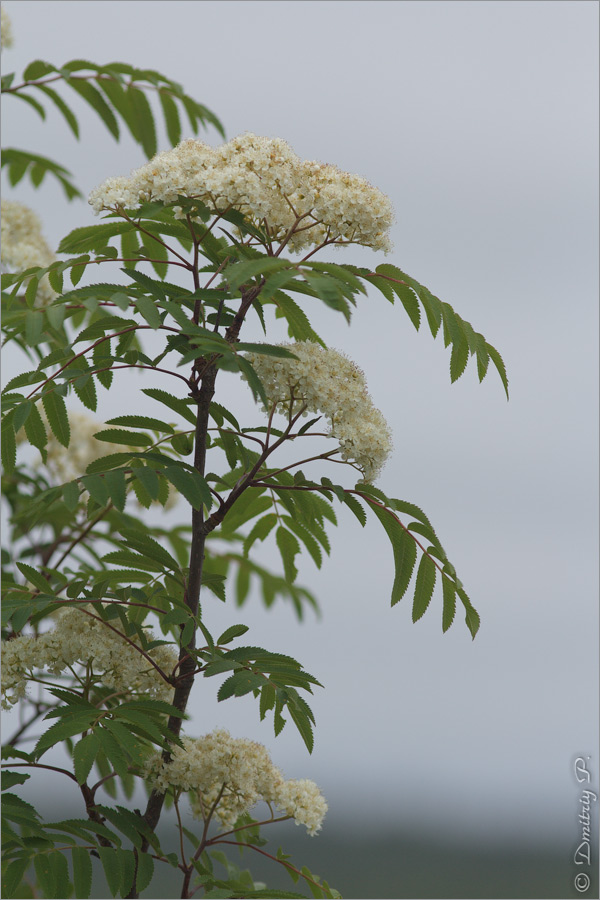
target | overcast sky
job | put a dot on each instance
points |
(479, 120)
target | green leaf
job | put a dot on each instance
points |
(302, 723)
(113, 869)
(95, 99)
(149, 480)
(96, 487)
(171, 114)
(232, 632)
(34, 325)
(149, 311)
(130, 246)
(307, 538)
(159, 258)
(141, 115)
(93, 238)
(82, 871)
(471, 615)
(70, 725)
(12, 876)
(499, 363)
(9, 779)
(113, 751)
(150, 548)
(175, 404)
(37, 69)
(260, 530)
(384, 286)
(84, 387)
(454, 333)
(288, 547)
(36, 578)
(403, 291)
(22, 380)
(328, 290)
(239, 684)
(128, 866)
(9, 444)
(45, 874)
(242, 272)
(449, 603)
(56, 413)
(145, 871)
(120, 436)
(183, 444)
(116, 487)
(426, 576)
(84, 754)
(56, 279)
(405, 551)
(117, 95)
(345, 274)
(191, 484)
(253, 380)
(60, 873)
(65, 110)
(142, 422)
(299, 327)
(356, 508)
(70, 494)
(33, 103)
(128, 742)
(130, 825)
(266, 350)
(483, 358)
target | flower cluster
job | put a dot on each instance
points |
(299, 202)
(325, 381)
(23, 244)
(228, 776)
(6, 38)
(79, 639)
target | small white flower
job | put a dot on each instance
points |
(268, 183)
(6, 37)
(79, 639)
(325, 381)
(234, 774)
(23, 244)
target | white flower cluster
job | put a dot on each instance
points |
(234, 773)
(268, 183)
(78, 639)
(23, 244)
(326, 381)
(6, 38)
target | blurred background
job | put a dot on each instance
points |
(447, 763)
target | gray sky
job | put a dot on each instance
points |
(479, 120)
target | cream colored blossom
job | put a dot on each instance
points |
(325, 381)
(234, 774)
(6, 37)
(304, 801)
(301, 202)
(79, 640)
(24, 246)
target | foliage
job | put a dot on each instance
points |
(80, 544)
